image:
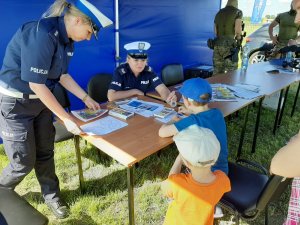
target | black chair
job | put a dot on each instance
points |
(172, 74)
(61, 133)
(251, 191)
(14, 210)
(98, 87)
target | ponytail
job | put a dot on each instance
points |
(56, 9)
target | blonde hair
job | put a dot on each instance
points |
(204, 97)
(62, 6)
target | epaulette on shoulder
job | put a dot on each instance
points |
(122, 69)
(148, 69)
(49, 27)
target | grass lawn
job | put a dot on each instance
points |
(105, 201)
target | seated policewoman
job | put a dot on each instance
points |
(135, 77)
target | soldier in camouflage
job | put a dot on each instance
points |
(287, 31)
(228, 29)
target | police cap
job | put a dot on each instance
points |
(137, 49)
(98, 19)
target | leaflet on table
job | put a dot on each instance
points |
(164, 112)
(243, 93)
(170, 117)
(88, 114)
(124, 101)
(249, 87)
(143, 108)
(220, 92)
(103, 126)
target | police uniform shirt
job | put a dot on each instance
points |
(39, 52)
(124, 79)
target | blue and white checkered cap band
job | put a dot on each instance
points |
(93, 13)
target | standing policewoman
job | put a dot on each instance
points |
(36, 59)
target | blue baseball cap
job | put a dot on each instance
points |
(98, 19)
(138, 49)
(194, 88)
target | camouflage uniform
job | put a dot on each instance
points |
(287, 30)
(225, 27)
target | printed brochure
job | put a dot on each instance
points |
(88, 114)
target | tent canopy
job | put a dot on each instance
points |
(176, 29)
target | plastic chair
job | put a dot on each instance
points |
(61, 133)
(14, 210)
(98, 87)
(172, 74)
(251, 191)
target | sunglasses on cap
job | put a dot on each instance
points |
(95, 29)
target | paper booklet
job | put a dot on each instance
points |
(164, 113)
(168, 119)
(220, 92)
(143, 108)
(121, 113)
(124, 101)
(88, 114)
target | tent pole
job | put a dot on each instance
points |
(117, 40)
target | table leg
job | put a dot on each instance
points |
(283, 106)
(79, 162)
(278, 111)
(130, 194)
(257, 124)
(239, 152)
(295, 100)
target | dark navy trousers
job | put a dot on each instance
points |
(28, 136)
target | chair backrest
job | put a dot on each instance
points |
(62, 96)
(273, 190)
(172, 74)
(98, 87)
(16, 210)
(251, 191)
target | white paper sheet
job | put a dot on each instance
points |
(103, 126)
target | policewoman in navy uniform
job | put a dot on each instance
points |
(135, 77)
(36, 59)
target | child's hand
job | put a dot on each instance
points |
(183, 109)
(176, 118)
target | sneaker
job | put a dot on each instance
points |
(218, 212)
(59, 208)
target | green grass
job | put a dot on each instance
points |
(105, 201)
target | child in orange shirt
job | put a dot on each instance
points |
(196, 194)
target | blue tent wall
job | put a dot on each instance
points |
(177, 30)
